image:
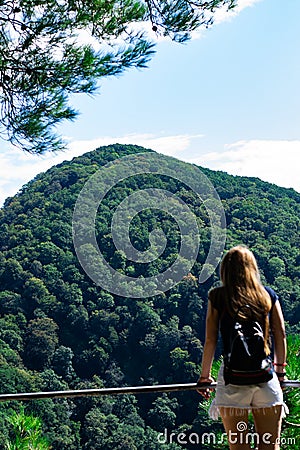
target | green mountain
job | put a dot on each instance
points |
(60, 330)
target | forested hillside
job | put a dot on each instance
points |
(59, 330)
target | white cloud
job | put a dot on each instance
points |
(273, 161)
(222, 15)
(169, 145)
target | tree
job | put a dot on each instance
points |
(163, 413)
(43, 57)
(41, 342)
(27, 432)
(276, 267)
(292, 423)
(62, 362)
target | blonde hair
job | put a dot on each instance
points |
(242, 286)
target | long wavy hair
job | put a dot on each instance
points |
(242, 286)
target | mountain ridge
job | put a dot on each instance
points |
(59, 330)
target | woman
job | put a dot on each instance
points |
(241, 286)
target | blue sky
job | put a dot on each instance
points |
(228, 100)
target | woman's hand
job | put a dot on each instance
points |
(204, 381)
(281, 377)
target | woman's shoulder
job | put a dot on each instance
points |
(272, 294)
(216, 297)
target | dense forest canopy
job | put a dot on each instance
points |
(60, 330)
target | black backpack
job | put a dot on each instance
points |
(246, 361)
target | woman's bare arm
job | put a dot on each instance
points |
(278, 331)
(211, 337)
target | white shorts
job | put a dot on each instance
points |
(263, 395)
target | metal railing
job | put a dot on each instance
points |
(118, 391)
